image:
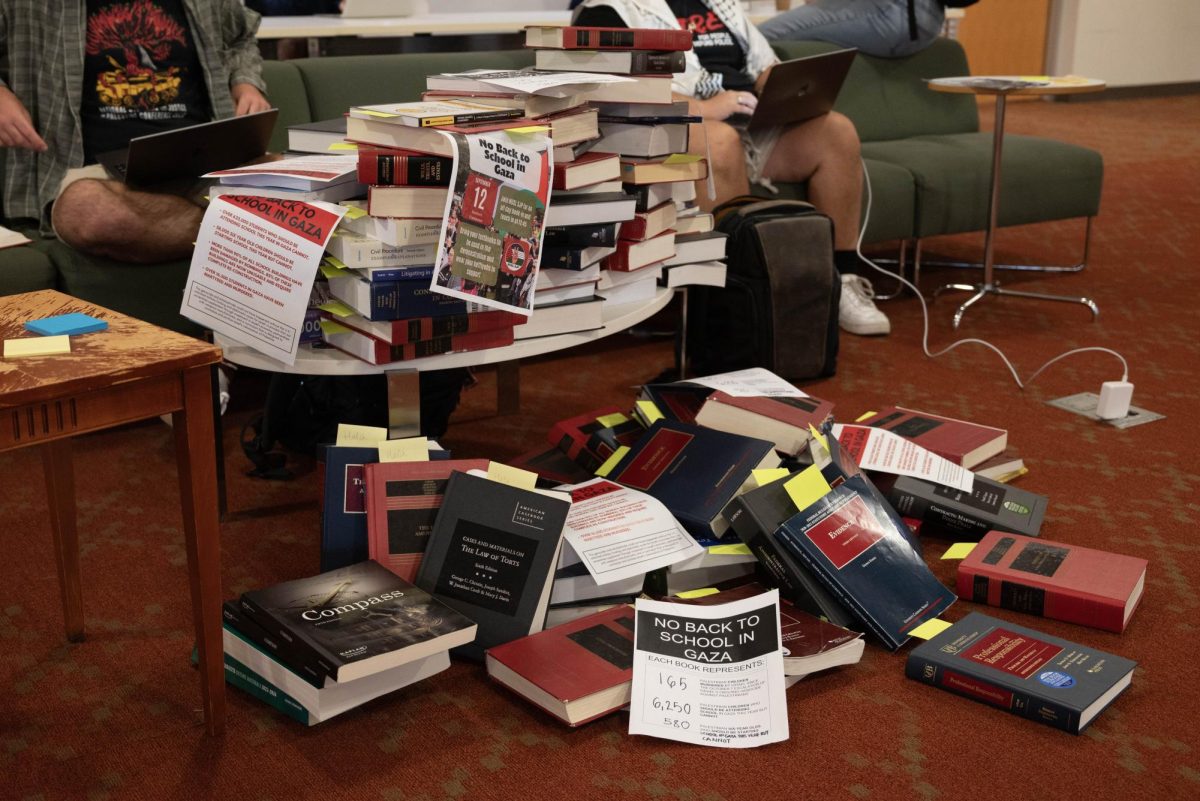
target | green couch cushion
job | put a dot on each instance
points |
(1041, 179)
(285, 90)
(26, 268)
(336, 83)
(887, 98)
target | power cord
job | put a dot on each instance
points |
(1114, 395)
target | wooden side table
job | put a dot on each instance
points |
(129, 372)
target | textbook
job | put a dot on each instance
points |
(425, 114)
(782, 420)
(949, 512)
(638, 171)
(1034, 675)
(316, 137)
(377, 351)
(960, 441)
(417, 329)
(394, 300)
(409, 202)
(564, 317)
(642, 141)
(590, 168)
(621, 62)
(650, 223)
(358, 620)
(589, 209)
(581, 236)
(579, 37)
(632, 255)
(358, 252)
(390, 232)
(1053, 579)
(389, 166)
(529, 105)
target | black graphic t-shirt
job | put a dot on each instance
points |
(141, 74)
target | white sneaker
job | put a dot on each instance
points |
(857, 313)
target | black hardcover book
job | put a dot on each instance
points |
(678, 400)
(357, 620)
(948, 512)
(755, 516)
(283, 651)
(492, 556)
(581, 236)
(1050, 680)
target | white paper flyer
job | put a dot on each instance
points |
(550, 84)
(877, 449)
(619, 532)
(253, 269)
(709, 675)
(753, 382)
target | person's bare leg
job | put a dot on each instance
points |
(106, 218)
(825, 152)
(727, 162)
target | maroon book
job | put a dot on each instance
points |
(960, 441)
(376, 351)
(572, 436)
(784, 421)
(580, 37)
(403, 499)
(386, 166)
(551, 465)
(419, 329)
(1052, 579)
(588, 169)
(578, 671)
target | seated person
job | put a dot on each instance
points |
(728, 64)
(884, 28)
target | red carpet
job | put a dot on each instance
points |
(115, 716)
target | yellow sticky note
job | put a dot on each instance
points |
(617, 456)
(528, 129)
(37, 346)
(682, 158)
(818, 436)
(959, 550)
(354, 212)
(1035, 77)
(368, 436)
(736, 549)
(650, 411)
(329, 271)
(807, 488)
(610, 420)
(374, 113)
(344, 146)
(334, 261)
(865, 416)
(331, 327)
(767, 475)
(336, 308)
(411, 449)
(930, 629)
(700, 593)
(513, 476)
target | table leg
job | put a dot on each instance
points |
(404, 403)
(60, 493)
(508, 387)
(196, 454)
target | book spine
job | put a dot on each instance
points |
(292, 658)
(391, 274)
(1000, 590)
(656, 63)
(274, 626)
(480, 340)
(971, 685)
(401, 299)
(635, 229)
(573, 443)
(580, 236)
(239, 676)
(583, 38)
(383, 168)
(563, 259)
(618, 261)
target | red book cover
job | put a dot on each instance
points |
(386, 166)
(578, 37)
(572, 434)
(638, 228)
(627, 258)
(784, 421)
(1064, 582)
(418, 329)
(960, 441)
(403, 499)
(376, 351)
(578, 671)
(566, 176)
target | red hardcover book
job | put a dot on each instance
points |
(552, 466)
(631, 255)
(579, 37)
(588, 169)
(578, 672)
(387, 166)
(1052, 579)
(403, 499)
(572, 434)
(419, 329)
(376, 351)
(649, 224)
(784, 421)
(961, 442)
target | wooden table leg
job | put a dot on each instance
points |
(60, 493)
(195, 449)
(508, 387)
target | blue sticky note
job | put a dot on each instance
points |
(75, 323)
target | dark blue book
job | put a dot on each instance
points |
(694, 471)
(853, 543)
(393, 300)
(1046, 679)
(383, 275)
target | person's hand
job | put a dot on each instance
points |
(725, 104)
(247, 99)
(16, 126)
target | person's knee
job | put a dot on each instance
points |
(725, 149)
(842, 136)
(88, 214)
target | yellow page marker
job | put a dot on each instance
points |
(807, 488)
(367, 436)
(767, 475)
(740, 549)
(336, 308)
(682, 158)
(959, 550)
(818, 436)
(37, 346)
(373, 113)
(617, 456)
(865, 416)
(649, 411)
(343, 146)
(354, 212)
(411, 449)
(336, 262)
(689, 594)
(528, 129)
(610, 420)
(513, 476)
(1035, 78)
(332, 327)
(329, 271)
(930, 629)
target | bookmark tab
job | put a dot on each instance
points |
(865, 416)
(410, 449)
(930, 629)
(332, 326)
(37, 346)
(700, 593)
(355, 212)
(344, 146)
(807, 488)
(768, 475)
(733, 549)
(373, 113)
(959, 550)
(682, 158)
(329, 271)
(613, 460)
(610, 420)
(818, 436)
(512, 476)
(336, 262)
(361, 436)
(650, 411)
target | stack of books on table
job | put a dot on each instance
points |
(316, 647)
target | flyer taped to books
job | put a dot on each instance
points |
(253, 269)
(491, 238)
(709, 675)
(885, 452)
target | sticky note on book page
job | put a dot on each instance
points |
(513, 476)
(929, 629)
(807, 487)
(369, 436)
(959, 550)
(410, 449)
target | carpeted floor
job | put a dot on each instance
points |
(116, 716)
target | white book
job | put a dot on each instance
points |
(360, 252)
(642, 141)
(298, 172)
(392, 231)
(703, 273)
(610, 279)
(330, 194)
(698, 247)
(562, 318)
(594, 189)
(551, 277)
(563, 293)
(638, 291)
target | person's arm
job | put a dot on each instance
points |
(16, 125)
(243, 60)
(722, 105)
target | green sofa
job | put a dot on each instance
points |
(927, 162)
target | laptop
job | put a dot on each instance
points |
(801, 89)
(191, 151)
(383, 8)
